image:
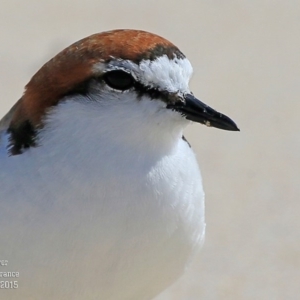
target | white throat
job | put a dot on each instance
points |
(140, 126)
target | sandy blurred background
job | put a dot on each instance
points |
(246, 60)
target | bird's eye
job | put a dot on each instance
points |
(119, 80)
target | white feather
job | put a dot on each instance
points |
(109, 206)
(166, 74)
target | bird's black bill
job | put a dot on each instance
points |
(195, 110)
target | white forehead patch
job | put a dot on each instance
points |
(162, 73)
(172, 75)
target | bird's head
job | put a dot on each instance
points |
(114, 78)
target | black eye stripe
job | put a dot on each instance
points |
(153, 93)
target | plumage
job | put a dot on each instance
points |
(100, 196)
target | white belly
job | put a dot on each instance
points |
(121, 235)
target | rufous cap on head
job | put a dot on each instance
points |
(74, 65)
(70, 70)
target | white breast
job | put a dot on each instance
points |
(99, 221)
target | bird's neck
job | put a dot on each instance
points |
(83, 131)
(81, 145)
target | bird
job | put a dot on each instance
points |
(101, 195)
